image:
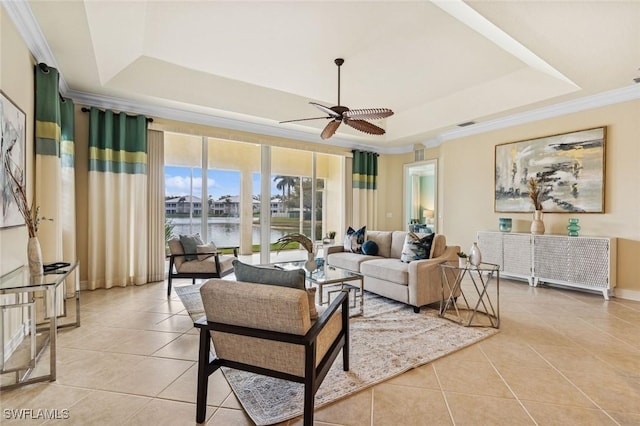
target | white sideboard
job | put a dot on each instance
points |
(579, 262)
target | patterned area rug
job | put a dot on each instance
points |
(386, 341)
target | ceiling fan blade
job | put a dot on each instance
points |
(304, 119)
(330, 129)
(327, 110)
(364, 126)
(368, 113)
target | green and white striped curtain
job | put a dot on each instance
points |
(117, 199)
(55, 174)
(365, 189)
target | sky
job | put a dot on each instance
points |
(220, 182)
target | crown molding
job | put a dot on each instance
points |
(20, 13)
(611, 97)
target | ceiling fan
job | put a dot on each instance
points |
(351, 117)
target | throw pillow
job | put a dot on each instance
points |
(353, 239)
(370, 248)
(190, 245)
(207, 249)
(416, 248)
(272, 276)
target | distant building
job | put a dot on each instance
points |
(228, 206)
(183, 204)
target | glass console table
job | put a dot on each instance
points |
(32, 309)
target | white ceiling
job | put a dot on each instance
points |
(251, 64)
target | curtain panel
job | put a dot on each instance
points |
(365, 189)
(54, 170)
(117, 199)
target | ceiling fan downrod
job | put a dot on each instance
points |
(339, 62)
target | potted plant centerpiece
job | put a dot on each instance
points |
(462, 259)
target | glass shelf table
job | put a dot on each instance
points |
(24, 298)
(475, 308)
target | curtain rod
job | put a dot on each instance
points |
(45, 69)
(85, 109)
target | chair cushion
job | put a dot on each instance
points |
(206, 248)
(272, 276)
(261, 275)
(208, 265)
(416, 247)
(190, 245)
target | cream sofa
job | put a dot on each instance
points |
(417, 283)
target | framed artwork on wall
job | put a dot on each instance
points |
(569, 168)
(13, 127)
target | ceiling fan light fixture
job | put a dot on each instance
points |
(354, 118)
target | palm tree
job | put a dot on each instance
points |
(285, 182)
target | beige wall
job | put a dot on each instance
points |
(16, 81)
(466, 186)
(465, 178)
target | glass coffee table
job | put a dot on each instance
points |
(332, 276)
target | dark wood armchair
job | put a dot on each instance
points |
(206, 265)
(246, 335)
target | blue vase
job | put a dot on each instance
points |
(573, 227)
(504, 224)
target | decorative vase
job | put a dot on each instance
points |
(34, 256)
(573, 227)
(537, 225)
(462, 262)
(504, 223)
(311, 264)
(475, 257)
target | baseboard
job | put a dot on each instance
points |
(627, 294)
(15, 341)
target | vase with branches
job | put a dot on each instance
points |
(535, 195)
(30, 213)
(304, 241)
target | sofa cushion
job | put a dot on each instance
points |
(387, 269)
(383, 240)
(353, 239)
(349, 261)
(397, 243)
(416, 247)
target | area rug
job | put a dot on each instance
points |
(387, 340)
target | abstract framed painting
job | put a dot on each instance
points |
(13, 127)
(569, 168)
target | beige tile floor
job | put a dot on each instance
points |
(562, 358)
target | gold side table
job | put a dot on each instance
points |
(476, 308)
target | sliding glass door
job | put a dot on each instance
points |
(217, 188)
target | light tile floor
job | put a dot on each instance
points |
(562, 357)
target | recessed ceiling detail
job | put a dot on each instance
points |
(435, 64)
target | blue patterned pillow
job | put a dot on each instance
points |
(353, 239)
(416, 248)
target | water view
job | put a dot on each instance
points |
(224, 231)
